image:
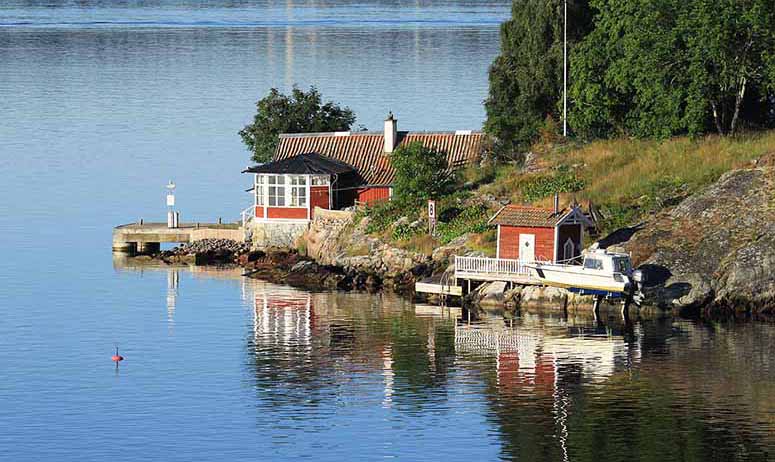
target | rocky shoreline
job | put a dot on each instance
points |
(709, 256)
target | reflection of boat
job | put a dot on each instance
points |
(602, 273)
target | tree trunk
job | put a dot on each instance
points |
(716, 118)
(738, 103)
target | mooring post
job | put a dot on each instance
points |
(626, 308)
(596, 307)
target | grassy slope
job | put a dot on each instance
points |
(628, 180)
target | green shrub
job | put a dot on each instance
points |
(404, 231)
(564, 180)
(617, 216)
(471, 219)
(421, 174)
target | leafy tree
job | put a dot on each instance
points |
(658, 68)
(526, 79)
(298, 112)
(421, 173)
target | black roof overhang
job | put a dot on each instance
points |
(303, 164)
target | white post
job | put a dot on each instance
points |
(308, 192)
(171, 205)
(565, 72)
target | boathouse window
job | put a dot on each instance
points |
(259, 189)
(276, 190)
(298, 191)
(593, 263)
(568, 250)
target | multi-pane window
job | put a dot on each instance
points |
(298, 191)
(320, 180)
(282, 190)
(276, 190)
(568, 250)
(259, 189)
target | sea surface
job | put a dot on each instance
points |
(102, 102)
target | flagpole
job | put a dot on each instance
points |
(565, 71)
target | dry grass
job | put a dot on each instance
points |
(419, 243)
(632, 178)
(621, 170)
(484, 242)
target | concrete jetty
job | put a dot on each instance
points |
(147, 237)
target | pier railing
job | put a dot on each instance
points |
(248, 214)
(491, 267)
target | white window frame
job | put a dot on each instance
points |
(273, 183)
(297, 192)
(566, 255)
(294, 191)
(259, 187)
(321, 180)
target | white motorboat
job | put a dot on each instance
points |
(601, 272)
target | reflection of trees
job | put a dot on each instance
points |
(669, 406)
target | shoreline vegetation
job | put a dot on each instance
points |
(668, 141)
(683, 206)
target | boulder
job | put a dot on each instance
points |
(715, 249)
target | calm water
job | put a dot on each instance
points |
(101, 102)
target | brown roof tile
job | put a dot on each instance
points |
(364, 150)
(518, 215)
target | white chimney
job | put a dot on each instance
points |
(556, 203)
(391, 133)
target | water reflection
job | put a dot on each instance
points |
(546, 387)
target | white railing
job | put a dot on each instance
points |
(248, 214)
(490, 266)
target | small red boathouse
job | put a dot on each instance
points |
(538, 234)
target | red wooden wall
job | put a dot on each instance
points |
(369, 195)
(508, 246)
(319, 197)
(286, 213)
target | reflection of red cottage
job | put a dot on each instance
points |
(537, 234)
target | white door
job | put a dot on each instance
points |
(527, 244)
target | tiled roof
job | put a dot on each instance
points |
(364, 150)
(517, 215)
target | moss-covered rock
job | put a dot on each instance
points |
(716, 249)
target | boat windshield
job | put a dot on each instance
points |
(622, 265)
(593, 263)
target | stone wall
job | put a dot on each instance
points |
(263, 235)
(211, 233)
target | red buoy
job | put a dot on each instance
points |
(117, 357)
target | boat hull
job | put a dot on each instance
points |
(577, 279)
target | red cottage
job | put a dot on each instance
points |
(333, 171)
(368, 153)
(290, 189)
(537, 234)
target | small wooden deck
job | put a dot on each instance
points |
(494, 269)
(440, 284)
(479, 269)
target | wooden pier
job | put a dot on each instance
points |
(147, 237)
(494, 269)
(477, 269)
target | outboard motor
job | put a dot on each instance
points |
(639, 279)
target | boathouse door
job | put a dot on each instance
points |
(527, 244)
